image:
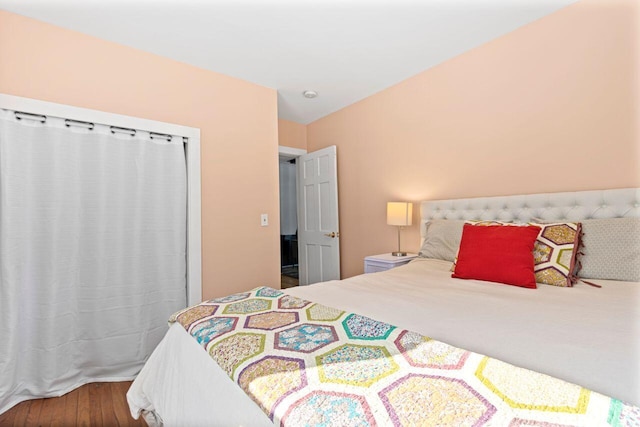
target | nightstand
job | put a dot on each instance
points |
(375, 263)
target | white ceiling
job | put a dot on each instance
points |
(345, 50)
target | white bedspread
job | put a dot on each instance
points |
(583, 335)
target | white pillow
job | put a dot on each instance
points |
(442, 239)
(611, 249)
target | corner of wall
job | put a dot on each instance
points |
(292, 134)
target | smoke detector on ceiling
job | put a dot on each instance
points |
(310, 94)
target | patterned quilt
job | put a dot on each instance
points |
(308, 364)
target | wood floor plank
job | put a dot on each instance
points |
(120, 407)
(70, 410)
(106, 403)
(46, 412)
(96, 404)
(7, 418)
(288, 282)
(22, 411)
(57, 414)
(34, 412)
(83, 416)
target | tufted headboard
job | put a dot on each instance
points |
(572, 206)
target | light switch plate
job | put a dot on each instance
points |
(264, 220)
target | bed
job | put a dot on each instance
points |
(580, 335)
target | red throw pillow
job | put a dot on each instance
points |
(502, 254)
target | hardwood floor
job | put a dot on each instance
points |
(287, 282)
(95, 404)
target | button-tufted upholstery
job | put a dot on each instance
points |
(572, 206)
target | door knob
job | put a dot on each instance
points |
(333, 234)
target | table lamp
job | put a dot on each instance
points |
(399, 214)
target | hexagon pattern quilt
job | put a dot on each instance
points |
(308, 364)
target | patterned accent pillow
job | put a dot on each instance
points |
(555, 251)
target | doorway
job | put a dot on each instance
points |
(288, 223)
(310, 235)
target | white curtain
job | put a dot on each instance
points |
(92, 253)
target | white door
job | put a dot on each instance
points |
(318, 231)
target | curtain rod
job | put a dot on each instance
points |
(153, 135)
(28, 116)
(69, 123)
(116, 129)
(20, 115)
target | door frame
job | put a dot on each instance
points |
(290, 153)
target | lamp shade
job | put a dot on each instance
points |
(399, 213)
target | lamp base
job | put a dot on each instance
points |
(399, 253)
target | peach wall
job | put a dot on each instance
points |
(552, 106)
(292, 134)
(238, 122)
